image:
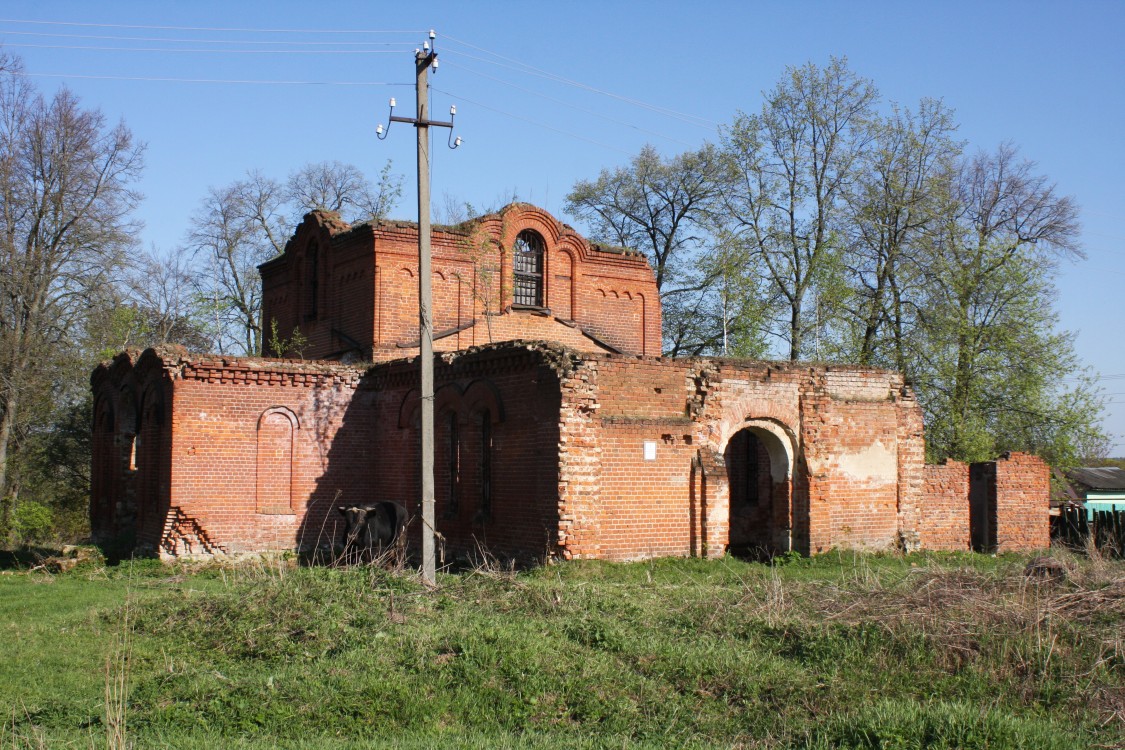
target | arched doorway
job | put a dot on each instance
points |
(759, 460)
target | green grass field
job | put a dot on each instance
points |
(841, 651)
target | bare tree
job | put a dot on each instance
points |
(235, 229)
(335, 186)
(661, 207)
(65, 203)
(162, 293)
(242, 225)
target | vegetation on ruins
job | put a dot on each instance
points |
(839, 651)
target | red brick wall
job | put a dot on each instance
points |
(112, 489)
(231, 455)
(850, 431)
(606, 456)
(843, 427)
(343, 301)
(911, 468)
(616, 503)
(520, 393)
(944, 516)
(368, 295)
(1023, 489)
(231, 445)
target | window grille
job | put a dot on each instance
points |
(528, 264)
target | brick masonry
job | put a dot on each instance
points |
(351, 291)
(557, 433)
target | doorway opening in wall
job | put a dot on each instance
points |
(758, 479)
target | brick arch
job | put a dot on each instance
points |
(151, 462)
(447, 397)
(309, 267)
(104, 472)
(778, 438)
(409, 406)
(644, 322)
(761, 515)
(739, 409)
(104, 413)
(275, 449)
(127, 407)
(481, 395)
(282, 410)
(152, 402)
(517, 217)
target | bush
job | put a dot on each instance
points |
(31, 522)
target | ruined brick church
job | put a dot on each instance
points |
(560, 431)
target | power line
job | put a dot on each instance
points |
(287, 48)
(400, 45)
(572, 106)
(530, 121)
(210, 28)
(691, 119)
(216, 80)
(210, 51)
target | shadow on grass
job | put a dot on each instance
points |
(25, 557)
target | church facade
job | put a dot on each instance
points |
(559, 429)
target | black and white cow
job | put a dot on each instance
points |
(372, 529)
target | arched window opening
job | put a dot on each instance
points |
(312, 282)
(485, 511)
(528, 264)
(454, 465)
(132, 452)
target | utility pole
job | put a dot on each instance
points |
(424, 59)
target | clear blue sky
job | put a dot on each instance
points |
(609, 77)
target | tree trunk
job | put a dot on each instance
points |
(7, 421)
(795, 331)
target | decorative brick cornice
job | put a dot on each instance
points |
(267, 371)
(493, 224)
(477, 361)
(177, 364)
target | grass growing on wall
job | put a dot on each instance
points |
(841, 651)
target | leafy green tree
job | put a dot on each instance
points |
(783, 186)
(66, 198)
(893, 202)
(987, 359)
(852, 236)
